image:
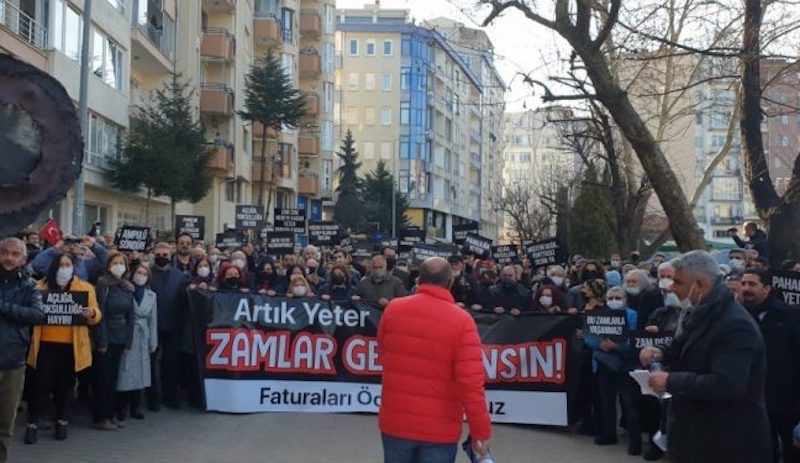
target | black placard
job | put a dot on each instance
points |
(505, 254)
(290, 220)
(477, 244)
(346, 244)
(544, 252)
(64, 309)
(130, 238)
(231, 239)
(409, 237)
(420, 252)
(642, 339)
(323, 233)
(461, 231)
(363, 250)
(194, 225)
(279, 242)
(606, 324)
(788, 284)
(249, 217)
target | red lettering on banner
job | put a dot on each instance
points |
(531, 362)
(360, 356)
(247, 350)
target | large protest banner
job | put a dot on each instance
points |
(788, 286)
(271, 354)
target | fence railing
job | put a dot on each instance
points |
(22, 25)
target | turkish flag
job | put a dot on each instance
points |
(50, 232)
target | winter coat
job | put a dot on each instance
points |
(432, 369)
(116, 302)
(134, 370)
(466, 290)
(337, 293)
(665, 318)
(387, 287)
(758, 242)
(716, 377)
(170, 287)
(20, 307)
(620, 360)
(514, 297)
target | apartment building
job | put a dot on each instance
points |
(136, 44)
(781, 126)
(412, 100)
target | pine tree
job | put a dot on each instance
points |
(377, 193)
(271, 100)
(349, 207)
(164, 152)
(591, 223)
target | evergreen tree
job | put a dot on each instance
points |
(164, 152)
(272, 100)
(377, 193)
(349, 207)
(591, 223)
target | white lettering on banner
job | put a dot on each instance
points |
(283, 314)
(250, 396)
(540, 362)
(247, 350)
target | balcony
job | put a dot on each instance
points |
(720, 220)
(216, 99)
(256, 174)
(22, 35)
(310, 65)
(266, 30)
(219, 5)
(218, 44)
(152, 52)
(258, 129)
(312, 104)
(308, 145)
(310, 24)
(308, 184)
(223, 156)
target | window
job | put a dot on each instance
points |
(117, 4)
(369, 115)
(287, 61)
(327, 136)
(405, 112)
(404, 147)
(386, 115)
(106, 60)
(330, 19)
(285, 161)
(369, 81)
(94, 213)
(386, 150)
(387, 47)
(352, 81)
(387, 82)
(67, 30)
(267, 8)
(784, 119)
(370, 48)
(405, 45)
(327, 97)
(720, 120)
(351, 116)
(369, 150)
(104, 138)
(525, 157)
(353, 47)
(287, 24)
(327, 58)
(405, 78)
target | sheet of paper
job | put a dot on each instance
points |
(642, 377)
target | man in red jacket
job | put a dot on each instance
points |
(432, 374)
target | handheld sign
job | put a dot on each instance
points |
(642, 339)
(280, 242)
(130, 238)
(505, 254)
(461, 231)
(194, 225)
(788, 284)
(544, 252)
(290, 220)
(410, 237)
(420, 252)
(323, 233)
(606, 324)
(477, 244)
(231, 239)
(64, 309)
(249, 217)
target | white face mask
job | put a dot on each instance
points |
(213, 258)
(737, 264)
(299, 291)
(64, 275)
(203, 272)
(239, 263)
(558, 281)
(665, 283)
(632, 290)
(546, 301)
(687, 304)
(615, 263)
(616, 304)
(118, 270)
(140, 280)
(672, 300)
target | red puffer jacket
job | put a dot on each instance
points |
(432, 369)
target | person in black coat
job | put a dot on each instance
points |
(716, 368)
(508, 295)
(339, 287)
(756, 239)
(465, 289)
(780, 327)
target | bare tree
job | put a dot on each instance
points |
(522, 207)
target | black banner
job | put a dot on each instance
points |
(788, 284)
(409, 237)
(259, 353)
(194, 225)
(420, 252)
(478, 245)
(130, 238)
(290, 220)
(64, 309)
(461, 231)
(231, 239)
(323, 233)
(607, 324)
(544, 252)
(505, 254)
(280, 242)
(249, 217)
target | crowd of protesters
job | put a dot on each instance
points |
(135, 352)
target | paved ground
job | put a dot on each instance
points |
(189, 437)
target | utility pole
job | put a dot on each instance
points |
(83, 114)
(394, 199)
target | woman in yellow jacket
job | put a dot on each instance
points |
(57, 353)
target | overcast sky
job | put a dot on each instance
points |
(520, 45)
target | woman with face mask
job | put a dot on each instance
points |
(134, 371)
(112, 337)
(230, 278)
(57, 352)
(266, 278)
(202, 275)
(339, 286)
(611, 362)
(548, 299)
(299, 287)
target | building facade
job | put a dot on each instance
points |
(412, 100)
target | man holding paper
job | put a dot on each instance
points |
(715, 371)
